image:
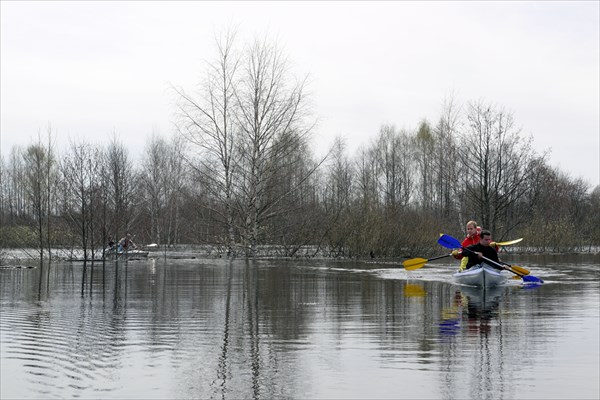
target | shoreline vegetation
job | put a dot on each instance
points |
(12, 257)
(239, 172)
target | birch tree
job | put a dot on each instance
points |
(162, 177)
(446, 159)
(39, 177)
(425, 147)
(271, 119)
(392, 152)
(81, 177)
(248, 117)
(208, 121)
(122, 179)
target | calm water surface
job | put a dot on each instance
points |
(297, 329)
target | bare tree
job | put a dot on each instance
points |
(176, 187)
(104, 216)
(392, 151)
(556, 213)
(81, 177)
(271, 109)
(51, 180)
(208, 121)
(293, 217)
(39, 175)
(14, 183)
(424, 159)
(366, 185)
(162, 178)
(246, 121)
(122, 184)
(154, 168)
(446, 161)
(497, 162)
(336, 199)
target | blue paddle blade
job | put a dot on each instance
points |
(449, 242)
(531, 279)
(531, 286)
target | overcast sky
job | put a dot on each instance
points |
(92, 68)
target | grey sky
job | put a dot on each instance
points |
(91, 68)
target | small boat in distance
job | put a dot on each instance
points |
(109, 255)
(480, 275)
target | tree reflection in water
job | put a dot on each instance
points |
(276, 329)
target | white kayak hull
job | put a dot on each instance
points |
(480, 275)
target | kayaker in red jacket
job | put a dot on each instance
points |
(473, 232)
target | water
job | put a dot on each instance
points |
(297, 329)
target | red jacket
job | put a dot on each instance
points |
(468, 241)
(471, 240)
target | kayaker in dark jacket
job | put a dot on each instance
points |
(482, 248)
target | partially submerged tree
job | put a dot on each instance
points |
(122, 181)
(271, 121)
(81, 172)
(40, 176)
(247, 121)
(208, 121)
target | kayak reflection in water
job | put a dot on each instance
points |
(482, 308)
(476, 305)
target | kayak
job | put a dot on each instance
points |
(111, 255)
(480, 275)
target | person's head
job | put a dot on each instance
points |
(485, 238)
(471, 228)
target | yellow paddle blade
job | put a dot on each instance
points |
(508, 243)
(411, 290)
(520, 270)
(414, 263)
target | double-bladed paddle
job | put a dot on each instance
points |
(416, 263)
(452, 243)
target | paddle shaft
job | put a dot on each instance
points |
(492, 262)
(437, 258)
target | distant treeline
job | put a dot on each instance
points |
(239, 173)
